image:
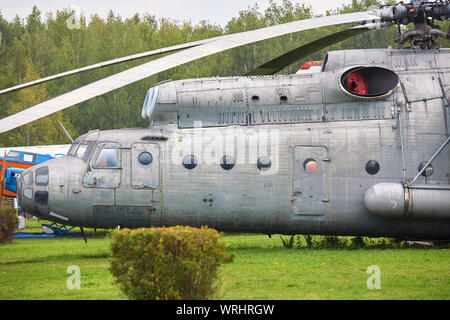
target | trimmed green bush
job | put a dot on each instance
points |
(167, 263)
(8, 222)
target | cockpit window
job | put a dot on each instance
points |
(72, 149)
(107, 158)
(88, 152)
(28, 178)
(42, 176)
(81, 150)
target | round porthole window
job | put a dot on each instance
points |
(227, 163)
(372, 167)
(145, 158)
(264, 163)
(428, 171)
(310, 165)
(189, 162)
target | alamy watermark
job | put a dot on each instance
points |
(74, 280)
(241, 145)
(74, 21)
(374, 281)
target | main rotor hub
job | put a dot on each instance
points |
(423, 14)
(420, 39)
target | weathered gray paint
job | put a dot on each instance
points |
(394, 200)
(342, 131)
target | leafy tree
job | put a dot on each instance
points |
(42, 131)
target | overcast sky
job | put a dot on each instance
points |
(216, 11)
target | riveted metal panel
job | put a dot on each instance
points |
(428, 82)
(376, 57)
(411, 60)
(442, 58)
(355, 57)
(124, 216)
(286, 114)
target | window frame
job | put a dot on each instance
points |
(372, 167)
(192, 165)
(226, 166)
(261, 166)
(15, 154)
(141, 161)
(33, 157)
(73, 149)
(78, 148)
(102, 146)
(37, 175)
(28, 178)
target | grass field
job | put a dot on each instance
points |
(262, 269)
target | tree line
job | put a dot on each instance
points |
(37, 46)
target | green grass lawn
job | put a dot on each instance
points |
(262, 269)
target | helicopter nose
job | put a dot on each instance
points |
(45, 190)
(32, 190)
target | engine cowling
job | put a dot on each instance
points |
(394, 200)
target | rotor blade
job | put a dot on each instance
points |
(173, 60)
(107, 63)
(285, 60)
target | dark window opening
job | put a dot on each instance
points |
(372, 167)
(145, 158)
(227, 163)
(264, 163)
(189, 162)
(41, 197)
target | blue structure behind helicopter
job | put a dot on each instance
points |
(18, 161)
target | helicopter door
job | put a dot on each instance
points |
(309, 184)
(145, 165)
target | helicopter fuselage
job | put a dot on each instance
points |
(290, 154)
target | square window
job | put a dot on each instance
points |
(107, 158)
(28, 157)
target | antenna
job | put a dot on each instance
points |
(65, 131)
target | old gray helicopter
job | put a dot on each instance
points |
(355, 149)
